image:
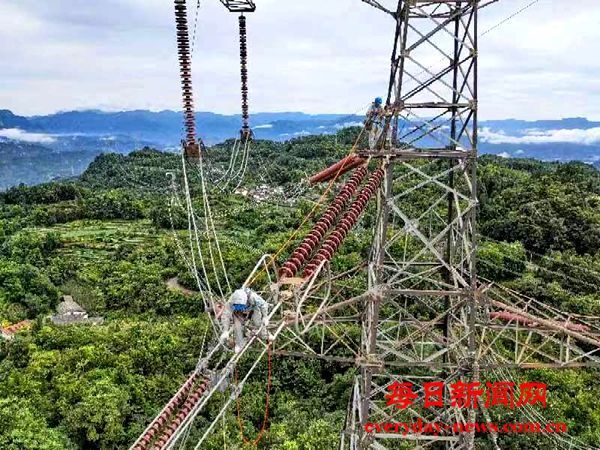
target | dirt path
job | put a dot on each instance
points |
(174, 285)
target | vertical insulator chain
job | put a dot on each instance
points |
(324, 224)
(244, 76)
(185, 66)
(334, 240)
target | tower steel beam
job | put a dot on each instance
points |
(427, 205)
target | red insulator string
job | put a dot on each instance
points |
(323, 225)
(346, 223)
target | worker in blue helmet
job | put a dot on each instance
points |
(244, 307)
(374, 121)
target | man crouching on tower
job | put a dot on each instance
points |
(244, 305)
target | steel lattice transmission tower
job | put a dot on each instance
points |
(426, 316)
(419, 321)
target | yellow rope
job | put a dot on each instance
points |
(310, 213)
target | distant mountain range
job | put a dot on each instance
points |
(164, 128)
(40, 148)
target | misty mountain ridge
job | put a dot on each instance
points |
(67, 141)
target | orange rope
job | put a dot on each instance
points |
(263, 428)
(311, 212)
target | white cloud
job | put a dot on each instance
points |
(20, 135)
(504, 155)
(266, 125)
(339, 126)
(589, 136)
(63, 57)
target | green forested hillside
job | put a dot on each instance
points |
(106, 239)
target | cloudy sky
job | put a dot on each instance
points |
(317, 56)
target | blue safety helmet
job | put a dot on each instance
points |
(378, 100)
(239, 308)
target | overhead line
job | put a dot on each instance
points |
(516, 13)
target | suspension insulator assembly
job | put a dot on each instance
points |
(334, 240)
(162, 427)
(190, 145)
(323, 225)
(245, 132)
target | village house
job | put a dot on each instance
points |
(9, 332)
(70, 312)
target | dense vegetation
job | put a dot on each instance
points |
(106, 239)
